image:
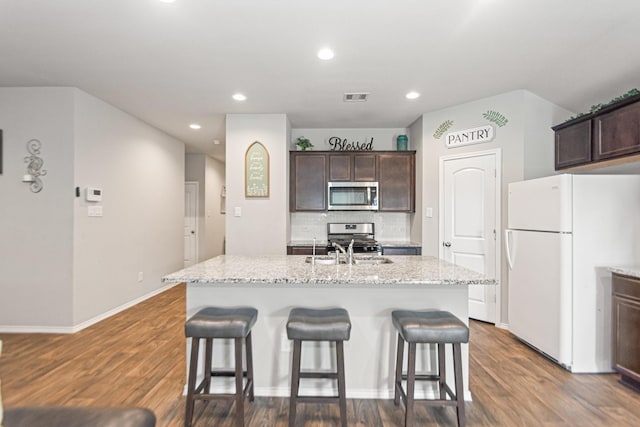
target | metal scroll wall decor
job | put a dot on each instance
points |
(34, 166)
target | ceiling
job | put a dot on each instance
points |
(175, 64)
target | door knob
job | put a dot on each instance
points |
(446, 244)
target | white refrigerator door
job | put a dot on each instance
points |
(542, 204)
(540, 291)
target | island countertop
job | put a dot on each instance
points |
(293, 270)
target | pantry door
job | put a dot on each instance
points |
(469, 222)
(190, 223)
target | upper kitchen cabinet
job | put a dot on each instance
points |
(352, 167)
(610, 133)
(573, 145)
(308, 181)
(617, 133)
(397, 181)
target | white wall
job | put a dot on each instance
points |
(59, 268)
(526, 142)
(209, 173)
(141, 173)
(262, 228)
(36, 248)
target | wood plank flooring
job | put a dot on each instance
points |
(137, 358)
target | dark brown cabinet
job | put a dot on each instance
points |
(626, 329)
(397, 181)
(352, 167)
(308, 181)
(617, 133)
(610, 133)
(310, 172)
(401, 250)
(306, 250)
(573, 145)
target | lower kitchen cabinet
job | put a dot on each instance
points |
(401, 250)
(626, 329)
(306, 250)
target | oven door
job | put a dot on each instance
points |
(353, 196)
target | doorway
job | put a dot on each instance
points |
(470, 223)
(190, 223)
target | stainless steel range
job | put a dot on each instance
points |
(362, 234)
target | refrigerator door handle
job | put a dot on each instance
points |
(507, 234)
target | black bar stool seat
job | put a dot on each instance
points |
(226, 323)
(433, 327)
(309, 324)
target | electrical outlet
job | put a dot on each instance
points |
(140, 276)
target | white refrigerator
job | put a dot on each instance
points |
(564, 231)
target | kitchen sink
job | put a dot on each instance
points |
(357, 260)
(372, 259)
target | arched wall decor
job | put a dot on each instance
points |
(256, 171)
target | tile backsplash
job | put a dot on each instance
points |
(389, 226)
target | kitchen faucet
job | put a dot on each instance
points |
(347, 252)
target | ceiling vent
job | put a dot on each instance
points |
(355, 97)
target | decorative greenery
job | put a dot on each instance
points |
(304, 143)
(495, 117)
(597, 107)
(442, 129)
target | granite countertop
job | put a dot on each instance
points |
(293, 270)
(386, 243)
(632, 271)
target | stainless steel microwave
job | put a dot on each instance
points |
(352, 196)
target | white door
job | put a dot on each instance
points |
(469, 223)
(190, 223)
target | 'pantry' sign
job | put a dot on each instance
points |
(469, 136)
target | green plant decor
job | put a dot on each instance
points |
(304, 143)
(442, 129)
(495, 117)
(597, 107)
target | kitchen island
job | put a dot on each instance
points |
(275, 284)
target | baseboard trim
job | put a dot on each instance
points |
(5, 329)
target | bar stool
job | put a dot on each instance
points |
(435, 327)
(220, 322)
(308, 324)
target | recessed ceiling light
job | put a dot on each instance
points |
(412, 95)
(167, 1)
(239, 97)
(216, 142)
(195, 126)
(325, 54)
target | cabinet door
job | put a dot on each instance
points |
(626, 327)
(617, 133)
(339, 167)
(396, 178)
(573, 145)
(308, 182)
(364, 167)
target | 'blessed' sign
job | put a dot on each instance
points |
(469, 136)
(342, 144)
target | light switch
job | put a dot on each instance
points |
(94, 210)
(428, 212)
(237, 211)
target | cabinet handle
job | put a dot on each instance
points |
(446, 244)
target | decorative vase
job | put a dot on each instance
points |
(402, 141)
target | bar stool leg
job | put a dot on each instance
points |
(411, 382)
(249, 351)
(457, 367)
(341, 384)
(208, 356)
(398, 380)
(239, 393)
(193, 371)
(442, 370)
(295, 381)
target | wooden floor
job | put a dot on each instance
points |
(137, 358)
